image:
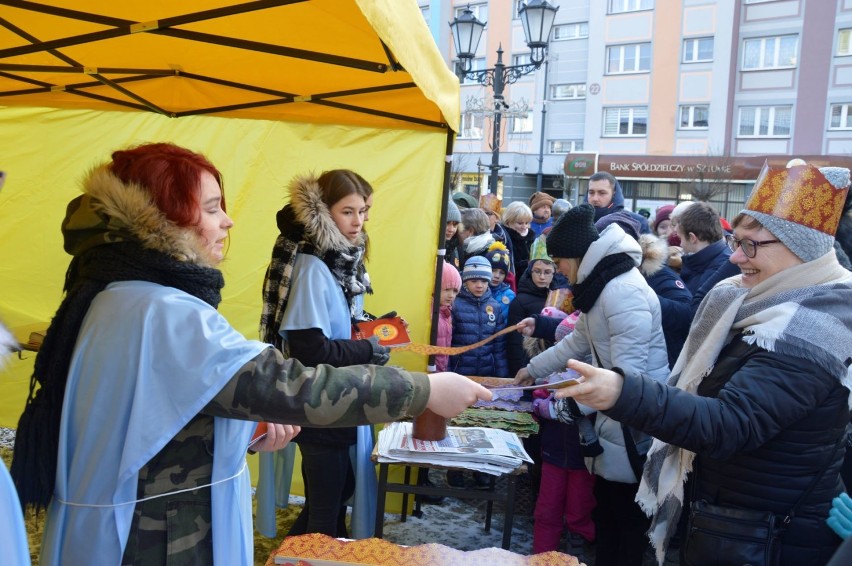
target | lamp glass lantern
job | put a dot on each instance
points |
(467, 31)
(537, 18)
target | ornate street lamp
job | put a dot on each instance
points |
(537, 19)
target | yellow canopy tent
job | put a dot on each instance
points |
(266, 89)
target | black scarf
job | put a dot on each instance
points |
(37, 440)
(607, 269)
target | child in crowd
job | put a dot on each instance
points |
(499, 257)
(566, 493)
(450, 286)
(476, 316)
(451, 236)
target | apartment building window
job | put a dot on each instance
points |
(563, 32)
(477, 64)
(626, 121)
(568, 91)
(844, 42)
(523, 59)
(770, 52)
(619, 6)
(479, 10)
(765, 121)
(516, 8)
(566, 146)
(522, 124)
(697, 50)
(841, 117)
(471, 126)
(424, 11)
(630, 58)
(694, 117)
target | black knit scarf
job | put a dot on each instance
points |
(37, 439)
(586, 293)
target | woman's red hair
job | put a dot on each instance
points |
(171, 174)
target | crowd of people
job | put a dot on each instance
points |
(713, 363)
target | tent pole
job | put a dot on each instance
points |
(439, 264)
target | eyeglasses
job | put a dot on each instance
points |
(545, 273)
(749, 246)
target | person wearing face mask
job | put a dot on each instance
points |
(144, 398)
(516, 220)
(620, 325)
(756, 408)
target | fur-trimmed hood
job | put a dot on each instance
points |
(112, 211)
(655, 252)
(315, 216)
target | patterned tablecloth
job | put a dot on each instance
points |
(322, 550)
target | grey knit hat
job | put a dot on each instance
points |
(453, 214)
(800, 205)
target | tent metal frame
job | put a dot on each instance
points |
(120, 27)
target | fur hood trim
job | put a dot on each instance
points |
(655, 252)
(312, 213)
(128, 208)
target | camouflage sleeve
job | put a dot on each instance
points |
(272, 388)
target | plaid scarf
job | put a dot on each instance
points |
(347, 268)
(802, 312)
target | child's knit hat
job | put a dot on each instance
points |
(450, 278)
(476, 267)
(498, 255)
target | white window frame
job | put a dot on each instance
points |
(567, 32)
(516, 8)
(521, 124)
(844, 42)
(692, 51)
(622, 6)
(568, 91)
(471, 126)
(844, 118)
(480, 11)
(769, 53)
(629, 112)
(761, 112)
(522, 59)
(623, 51)
(559, 146)
(690, 111)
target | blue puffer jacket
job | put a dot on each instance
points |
(698, 267)
(475, 319)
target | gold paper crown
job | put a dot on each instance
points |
(491, 203)
(799, 194)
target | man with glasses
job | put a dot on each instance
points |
(705, 253)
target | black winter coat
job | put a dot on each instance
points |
(762, 425)
(520, 249)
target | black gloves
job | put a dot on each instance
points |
(381, 354)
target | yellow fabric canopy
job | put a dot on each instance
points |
(359, 62)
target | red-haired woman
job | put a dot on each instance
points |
(143, 397)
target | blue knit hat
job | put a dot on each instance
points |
(476, 267)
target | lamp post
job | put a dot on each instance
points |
(537, 19)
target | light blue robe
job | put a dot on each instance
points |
(14, 550)
(317, 301)
(148, 358)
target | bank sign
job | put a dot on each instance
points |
(688, 168)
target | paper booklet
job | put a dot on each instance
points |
(481, 449)
(391, 331)
(259, 434)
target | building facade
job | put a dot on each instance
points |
(689, 82)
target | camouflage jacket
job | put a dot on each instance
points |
(178, 529)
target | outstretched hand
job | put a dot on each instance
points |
(527, 326)
(277, 437)
(523, 377)
(598, 388)
(452, 393)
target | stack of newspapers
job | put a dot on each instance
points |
(480, 449)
